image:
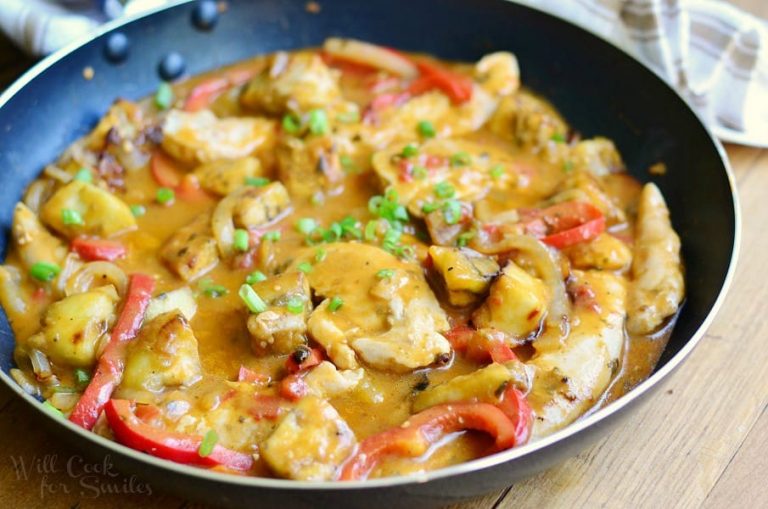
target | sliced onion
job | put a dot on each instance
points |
(369, 54)
(40, 364)
(26, 382)
(57, 173)
(95, 274)
(223, 223)
(72, 264)
(37, 194)
(64, 401)
(10, 289)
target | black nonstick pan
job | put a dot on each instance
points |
(598, 88)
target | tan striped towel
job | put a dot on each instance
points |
(713, 53)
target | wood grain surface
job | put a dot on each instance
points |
(702, 442)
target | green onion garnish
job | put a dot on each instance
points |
(291, 124)
(164, 96)
(48, 407)
(44, 271)
(460, 159)
(256, 276)
(497, 171)
(558, 138)
(335, 303)
(463, 239)
(426, 129)
(256, 181)
(347, 164)
(165, 196)
(318, 122)
(138, 210)
(410, 150)
(71, 217)
(252, 299)
(295, 304)
(305, 267)
(419, 172)
(306, 225)
(452, 211)
(430, 207)
(385, 273)
(241, 239)
(272, 236)
(444, 190)
(82, 377)
(370, 230)
(215, 291)
(320, 254)
(83, 175)
(208, 444)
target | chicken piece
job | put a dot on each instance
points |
(309, 166)
(73, 326)
(191, 251)
(463, 165)
(657, 286)
(227, 175)
(33, 241)
(527, 120)
(604, 252)
(180, 299)
(391, 322)
(299, 82)
(516, 304)
(124, 119)
(325, 381)
(278, 329)
(570, 379)
(310, 443)
(484, 385)
(200, 137)
(103, 214)
(247, 207)
(466, 274)
(163, 355)
(498, 73)
(598, 156)
(583, 186)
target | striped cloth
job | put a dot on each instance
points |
(713, 53)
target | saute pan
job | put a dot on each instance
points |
(598, 88)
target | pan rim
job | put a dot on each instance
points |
(402, 480)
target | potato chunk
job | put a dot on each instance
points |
(34, 242)
(191, 251)
(73, 326)
(466, 274)
(516, 304)
(200, 137)
(527, 120)
(163, 355)
(310, 443)
(278, 329)
(480, 385)
(103, 213)
(226, 175)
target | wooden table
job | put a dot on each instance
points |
(701, 442)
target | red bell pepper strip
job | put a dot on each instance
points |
(267, 407)
(314, 358)
(203, 94)
(565, 224)
(427, 428)
(293, 387)
(109, 370)
(456, 86)
(166, 173)
(98, 249)
(131, 431)
(250, 376)
(479, 347)
(515, 405)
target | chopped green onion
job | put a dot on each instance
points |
(452, 211)
(306, 225)
(444, 190)
(256, 181)
(295, 304)
(385, 273)
(44, 271)
(405, 252)
(82, 377)
(370, 230)
(387, 207)
(320, 254)
(164, 96)
(291, 124)
(318, 122)
(390, 240)
(348, 164)
(463, 239)
(350, 228)
(568, 167)
(349, 117)
(426, 129)
(165, 196)
(256, 276)
(252, 299)
(497, 171)
(71, 217)
(430, 207)
(241, 240)
(48, 407)
(215, 291)
(419, 172)
(305, 267)
(83, 175)
(410, 150)
(138, 210)
(208, 444)
(558, 138)
(272, 236)
(460, 159)
(335, 304)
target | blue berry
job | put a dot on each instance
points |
(116, 49)
(205, 14)
(171, 66)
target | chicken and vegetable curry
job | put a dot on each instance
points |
(335, 264)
